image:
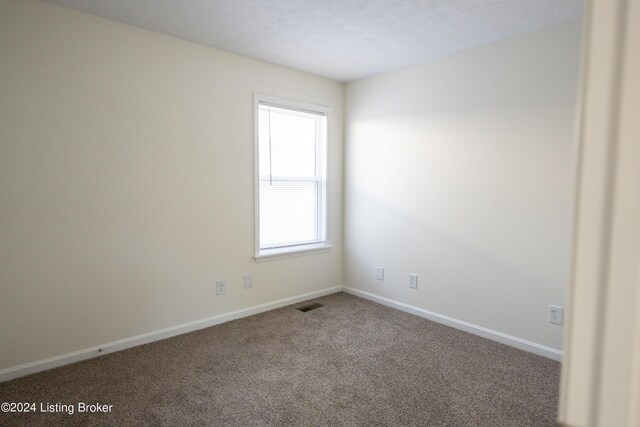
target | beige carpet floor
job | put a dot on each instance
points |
(349, 363)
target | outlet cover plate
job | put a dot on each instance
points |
(247, 280)
(413, 280)
(380, 273)
(556, 314)
(221, 287)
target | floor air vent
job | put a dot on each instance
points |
(310, 307)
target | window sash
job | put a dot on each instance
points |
(278, 231)
(267, 178)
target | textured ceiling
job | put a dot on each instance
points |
(340, 39)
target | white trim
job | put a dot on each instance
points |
(88, 353)
(598, 385)
(291, 251)
(500, 337)
(278, 102)
(256, 174)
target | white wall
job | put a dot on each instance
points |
(126, 181)
(460, 169)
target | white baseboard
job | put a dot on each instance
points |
(87, 353)
(510, 340)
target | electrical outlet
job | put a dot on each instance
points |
(221, 287)
(555, 314)
(380, 273)
(413, 280)
(247, 280)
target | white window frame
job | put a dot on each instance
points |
(302, 249)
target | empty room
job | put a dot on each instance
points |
(336, 212)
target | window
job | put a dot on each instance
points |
(290, 174)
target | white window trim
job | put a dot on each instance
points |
(297, 250)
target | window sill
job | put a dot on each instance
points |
(279, 253)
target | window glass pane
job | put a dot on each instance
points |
(287, 143)
(288, 213)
